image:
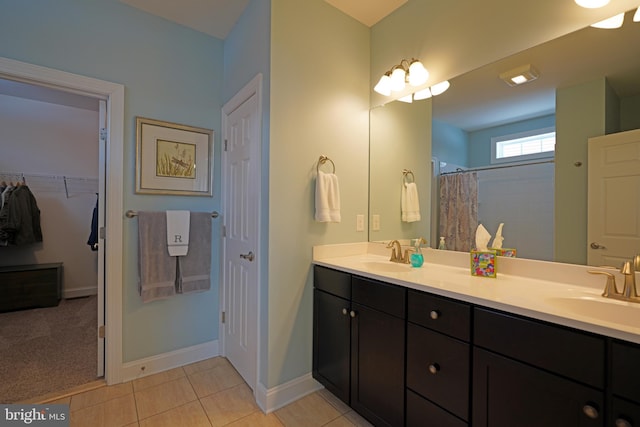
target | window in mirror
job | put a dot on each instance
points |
(524, 146)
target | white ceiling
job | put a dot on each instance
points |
(213, 17)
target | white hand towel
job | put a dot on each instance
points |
(178, 232)
(410, 202)
(327, 198)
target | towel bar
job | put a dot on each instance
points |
(131, 214)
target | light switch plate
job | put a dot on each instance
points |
(375, 222)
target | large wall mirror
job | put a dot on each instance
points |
(453, 131)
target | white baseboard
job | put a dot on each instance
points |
(283, 394)
(165, 361)
(79, 292)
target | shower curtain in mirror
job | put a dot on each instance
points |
(459, 209)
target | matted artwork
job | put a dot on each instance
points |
(173, 158)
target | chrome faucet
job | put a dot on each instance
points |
(629, 292)
(396, 253)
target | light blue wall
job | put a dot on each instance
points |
(247, 51)
(449, 143)
(480, 140)
(170, 73)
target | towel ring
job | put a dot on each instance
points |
(406, 173)
(324, 159)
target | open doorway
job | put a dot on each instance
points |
(49, 283)
(109, 298)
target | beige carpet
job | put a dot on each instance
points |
(45, 350)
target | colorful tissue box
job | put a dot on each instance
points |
(483, 263)
(508, 252)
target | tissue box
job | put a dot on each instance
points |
(483, 263)
(509, 252)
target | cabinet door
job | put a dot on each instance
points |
(331, 343)
(625, 414)
(377, 366)
(507, 393)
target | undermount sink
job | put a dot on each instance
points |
(387, 267)
(608, 310)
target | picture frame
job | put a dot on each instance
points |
(173, 159)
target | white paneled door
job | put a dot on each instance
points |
(240, 282)
(613, 198)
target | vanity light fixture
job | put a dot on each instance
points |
(408, 99)
(636, 16)
(592, 4)
(434, 90)
(610, 23)
(412, 72)
(520, 75)
(422, 94)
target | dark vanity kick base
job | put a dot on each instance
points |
(30, 286)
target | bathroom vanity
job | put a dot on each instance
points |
(435, 346)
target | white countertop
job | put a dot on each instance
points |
(564, 294)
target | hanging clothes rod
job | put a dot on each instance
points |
(131, 214)
(497, 167)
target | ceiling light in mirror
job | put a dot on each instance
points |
(422, 94)
(418, 75)
(611, 23)
(636, 16)
(384, 85)
(592, 4)
(439, 88)
(408, 99)
(520, 75)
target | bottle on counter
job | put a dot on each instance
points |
(442, 244)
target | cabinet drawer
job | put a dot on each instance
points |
(576, 355)
(440, 314)
(421, 412)
(625, 412)
(335, 282)
(625, 375)
(438, 369)
(387, 298)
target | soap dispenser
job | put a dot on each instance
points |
(442, 244)
(417, 259)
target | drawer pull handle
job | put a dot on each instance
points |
(352, 313)
(434, 368)
(344, 311)
(435, 314)
(621, 422)
(590, 411)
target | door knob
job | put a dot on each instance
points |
(595, 245)
(248, 256)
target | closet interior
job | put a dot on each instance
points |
(49, 186)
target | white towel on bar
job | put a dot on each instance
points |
(327, 198)
(178, 232)
(410, 202)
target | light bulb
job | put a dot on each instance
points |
(422, 94)
(397, 79)
(592, 4)
(418, 75)
(439, 88)
(610, 23)
(384, 85)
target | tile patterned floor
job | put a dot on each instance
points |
(209, 394)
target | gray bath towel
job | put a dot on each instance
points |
(157, 270)
(194, 269)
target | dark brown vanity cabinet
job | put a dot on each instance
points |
(625, 384)
(359, 343)
(438, 361)
(533, 374)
